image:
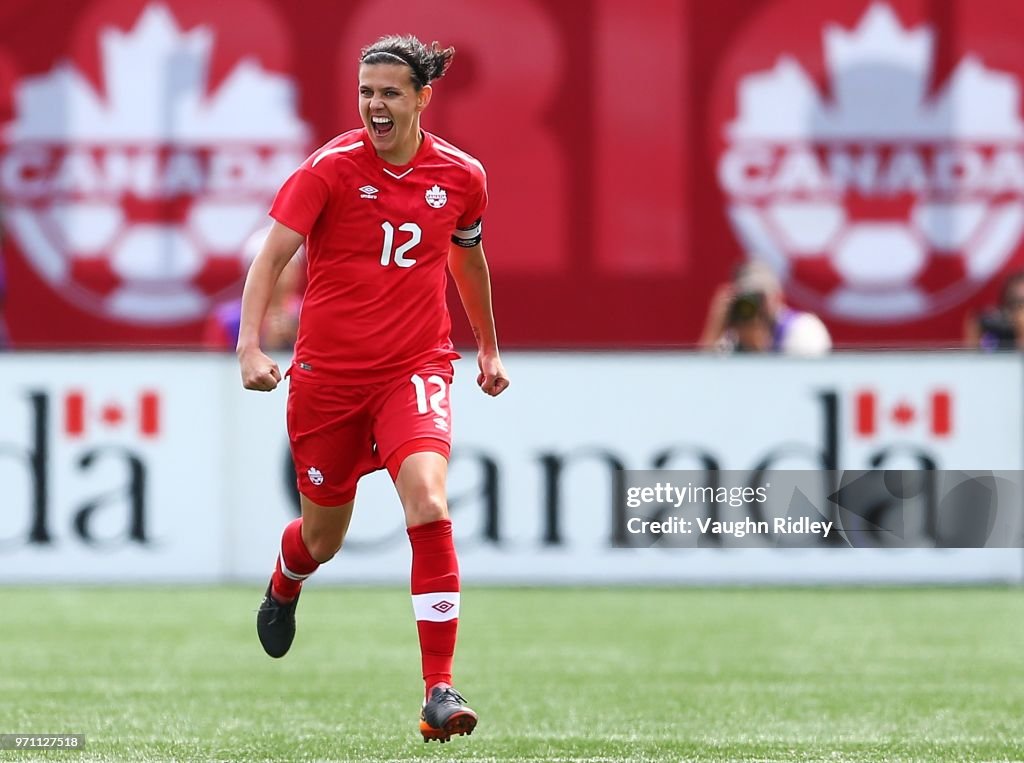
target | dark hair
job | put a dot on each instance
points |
(427, 64)
(747, 307)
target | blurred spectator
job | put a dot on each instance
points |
(750, 315)
(281, 323)
(1002, 328)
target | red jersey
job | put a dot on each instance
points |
(377, 242)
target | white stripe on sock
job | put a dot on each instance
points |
(436, 607)
(287, 572)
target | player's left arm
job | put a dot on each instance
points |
(468, 267)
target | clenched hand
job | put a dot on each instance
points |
(259, 372)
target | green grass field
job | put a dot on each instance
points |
(556, 675)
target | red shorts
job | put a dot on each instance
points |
(340, 433)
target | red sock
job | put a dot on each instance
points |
(294, 564)
(435, 597)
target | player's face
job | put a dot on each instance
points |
(390, 107)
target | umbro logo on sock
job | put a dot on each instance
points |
(443, 606)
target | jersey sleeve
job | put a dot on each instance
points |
(300, 200)
(469, 228)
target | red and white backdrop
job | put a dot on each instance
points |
(870, 152)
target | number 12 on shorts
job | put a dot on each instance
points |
(434, 403)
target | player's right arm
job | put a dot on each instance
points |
(295, 210)
(259, 371)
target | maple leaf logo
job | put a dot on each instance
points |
(136, 200)
(881, 198)
(155, 89)
(976, 103)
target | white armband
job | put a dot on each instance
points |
(469, 237)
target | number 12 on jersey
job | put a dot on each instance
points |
(388, 249)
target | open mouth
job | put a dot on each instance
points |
(382, 126)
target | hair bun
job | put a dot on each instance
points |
(440, 60)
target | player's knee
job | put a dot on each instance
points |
(322, 547)
(429, 506)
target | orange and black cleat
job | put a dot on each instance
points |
(446, 715)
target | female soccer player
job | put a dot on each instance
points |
(382, 211)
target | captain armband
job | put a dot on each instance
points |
(469, 237)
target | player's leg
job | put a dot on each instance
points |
(420, 480)
(306, 543)
(332, 447)
(435, 588)
(413, 432)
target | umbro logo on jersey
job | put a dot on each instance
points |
(368, 192)
(436, 197)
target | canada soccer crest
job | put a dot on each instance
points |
(882, 182)
(131, 177)
(436, 197)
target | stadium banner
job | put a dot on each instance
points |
(871, 155)
(110, 468)
(161, 468)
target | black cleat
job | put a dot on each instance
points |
(446, 715)
(275, 624)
